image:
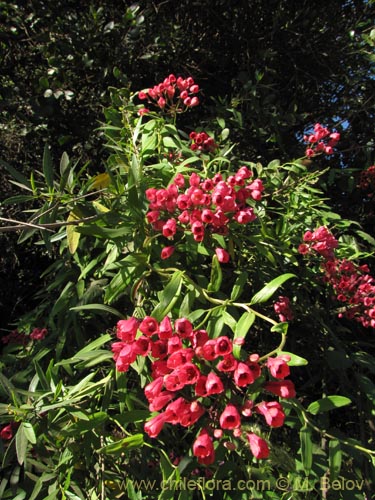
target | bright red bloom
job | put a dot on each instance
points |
(154, 388)
(272, 412)
(258, 446)
(149, 326)
(165, 329)
(203, 448)
(230, 418)
(166, 252)
(278, 366)
(227, 364)
(6, 432)
(155, 425)
(183, 327)
(283, 388)
(38, 333)
(243, 375)
(222, 255)
(126, 329)
(214, 385)
(223, 346)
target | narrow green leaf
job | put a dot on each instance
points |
(327, 404)
(128, 443)
(168, 297)
(242, 328)
(239, 285)
(16, 174)
(48, 166)
(29, 432)
(294, 359)
(306, 448)
(72, 235)
(334, 459)
(21, 444)
(266, 292)
(216, 275)
(98, 307)
(64, 163)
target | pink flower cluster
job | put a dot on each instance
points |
(321, 241)
(206, 206)
(177, 94)
(189, 370)
(321, 141)
(353, 285)
(283, 308)
(367, 179)
(21, 338)
(201, 141)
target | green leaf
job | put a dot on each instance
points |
(216, 275)
(242, 328)
(168, 297)
(29, 432)
(48, 166)
(128, 443)
(306, 448)
(334, 459)
(367, 387)
(239, 285)
(64, 163)
(21, 444)
(327, 404)
(72, 235)
(16, 174)
(266, 292)
(98, 307)
(294, 359)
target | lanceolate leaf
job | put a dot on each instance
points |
(327, 404)
(306, 448)
(168, 297)
(48, 166)
(266, 292)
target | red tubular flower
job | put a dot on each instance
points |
(167, 252)
(154, 388)
(223, 346)
(155, 425)
(165, 329)
(214, 385)
(203, 448)
(38, 333)
(258, 446)
(183, 327)
(230, 418)
(283, 388)
(149, 326)
(243, 375)
(222, 255)
(272, 412)
(278, 366)
(6, 433)
(126, 329)
(161, 400)
(227, 364)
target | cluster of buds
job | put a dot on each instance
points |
(189, 370)
(367, 180)
(321, 141)
(202, 142)
(172, 94)
(352, 284)
(206, 206)
(283, 308)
